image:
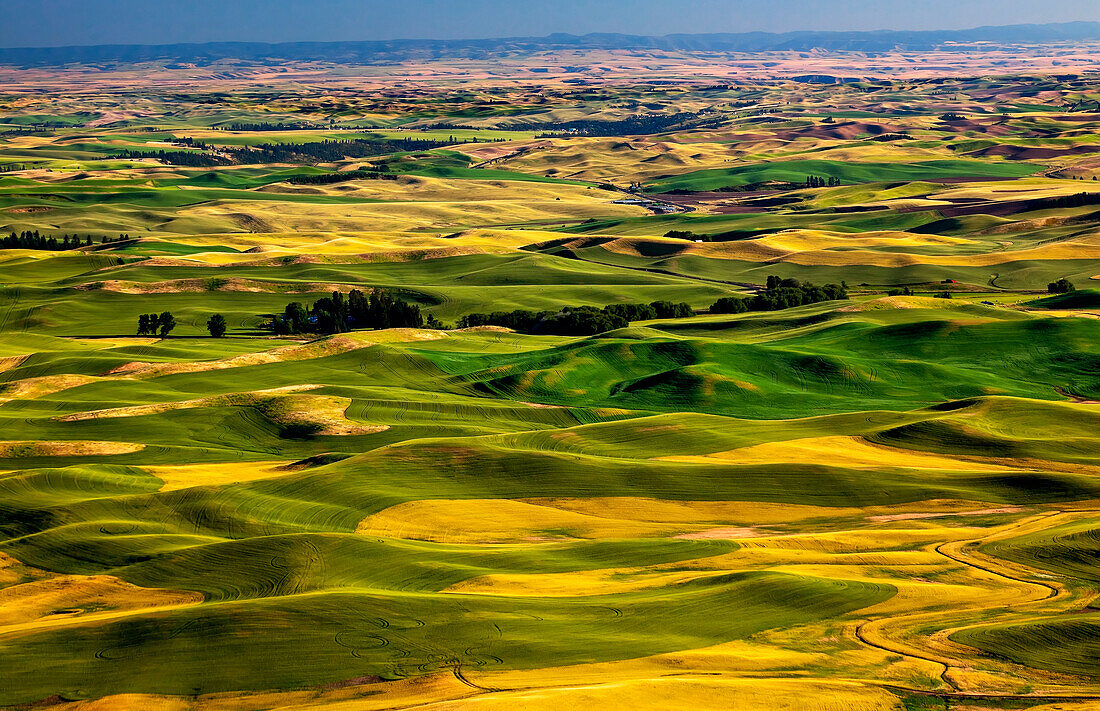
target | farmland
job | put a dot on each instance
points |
(885, 500)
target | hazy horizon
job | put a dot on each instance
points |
(52, 23)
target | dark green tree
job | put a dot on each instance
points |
(152, 322)
(216, 325)
(166, 322)
(730, 305)
(296, 317)
(667, 309)
(1062, 286)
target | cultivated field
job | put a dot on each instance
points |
(719, 487)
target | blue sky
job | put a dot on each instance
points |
(30, 23)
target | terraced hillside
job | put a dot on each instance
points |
(743, 493)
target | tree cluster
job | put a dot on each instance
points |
(577, 320)
(330, 178)
(569, 321)
(325, 151)
(156, 324)
(1064, 201)
(645, 124)
(328, 151)
(1062, 286)
(685, 234)
(264, 126)
(36, 240)
(339, 314)
(814, 181)
(781, 294)
(187, 159)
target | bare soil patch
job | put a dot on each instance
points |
(729, 532)
(73, 448)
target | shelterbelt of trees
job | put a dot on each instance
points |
(50, 243)
(330, 178)
(380, 309)
(164, 323)
(781, 294)
(643, 125)
(577, 320)
(324, 151)
(339, 314)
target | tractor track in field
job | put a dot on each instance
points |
(859, 633)
(9, 313)
(1052, 592)
(457, 671)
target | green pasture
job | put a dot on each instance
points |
(398, 633)
(1069, 551)
(1068, 645)
(796, 171)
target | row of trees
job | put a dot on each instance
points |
(326, 151)
(380, 309)
(339, 314)
(156, 324)
(645, 124)
(163, 323)
(343, 177)
(35, 240)
(1065, 201)
(781, 294)
(264, 126)
(569, 321)
(187, 159)
(577, 320)
(814, 181)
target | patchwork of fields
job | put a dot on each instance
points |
(884, 501)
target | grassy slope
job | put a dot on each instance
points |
(104, 515)
(796, 171)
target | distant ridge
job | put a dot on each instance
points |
(395, 50)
